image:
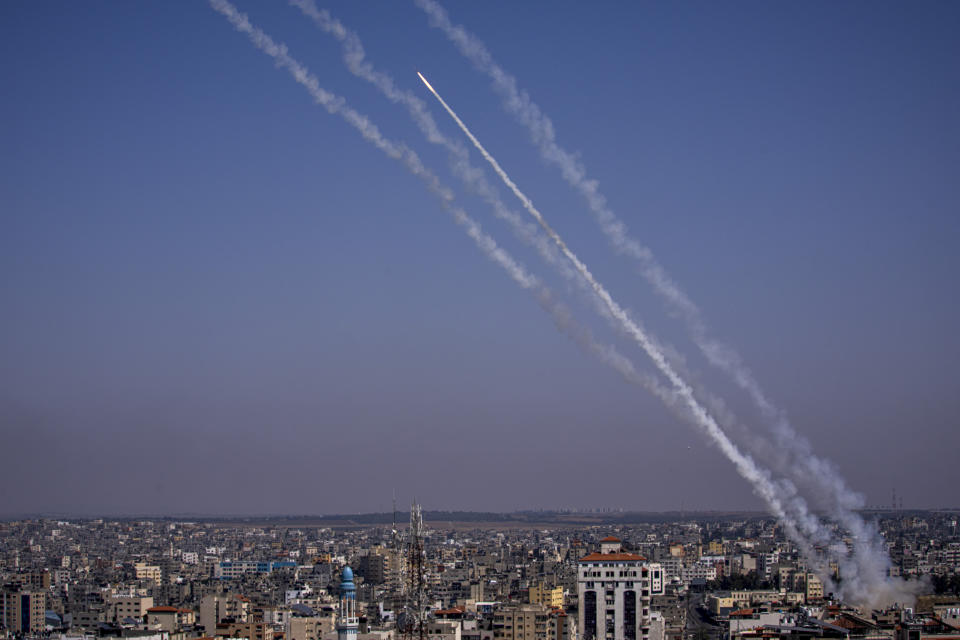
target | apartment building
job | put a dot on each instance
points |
(122, 607)
(540, 593)
(146, 571)
(23, 611)
(530, 622)
(614, 590)
(214, 609)
(170, 618)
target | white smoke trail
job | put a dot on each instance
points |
(745, 465)
(865, 570)
(400, 152)
(354, 57)
(338, 106)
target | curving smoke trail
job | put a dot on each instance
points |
(864, 569)
(354, 57)
(336, 105)
(398, 151)
(793, 513)
(680, 397)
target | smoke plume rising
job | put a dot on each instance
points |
(336, 105)
(864, 569)
(798, 519)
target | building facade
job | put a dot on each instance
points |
(530, 622)
(23, 611)
(614, 590)
(540, 593)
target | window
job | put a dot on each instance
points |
(630, 615)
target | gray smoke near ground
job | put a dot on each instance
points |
(864, 569)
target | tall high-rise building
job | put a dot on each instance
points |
(347, 624)
(614, 589)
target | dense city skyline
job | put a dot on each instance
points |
(220, 300)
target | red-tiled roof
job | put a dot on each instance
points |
(162, 610)
(610, 539)
(612, 557)
(741, 613)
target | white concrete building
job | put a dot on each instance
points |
(614, 590)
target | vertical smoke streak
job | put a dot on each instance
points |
(561, 317)
(865, 569)
(745, 465)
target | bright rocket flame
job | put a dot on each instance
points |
(432, 90)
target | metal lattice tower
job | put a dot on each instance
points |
(414, 579)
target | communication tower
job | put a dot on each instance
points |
(414, 579)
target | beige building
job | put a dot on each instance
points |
(530, 622)
(308, 627)
(23, 611)
(542, 594)
(214, 608)
(812, 588)
(721, 603)
(129, 607)
(443, 630)
(146, 571)
(248, 630)
(379, 565)
(169, 619)
(33, 580)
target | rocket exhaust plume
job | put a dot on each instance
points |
(354, 57)
(561, 317)
(745, 465)
(864, 570)
(337, 105)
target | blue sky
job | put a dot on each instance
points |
(218, 298)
